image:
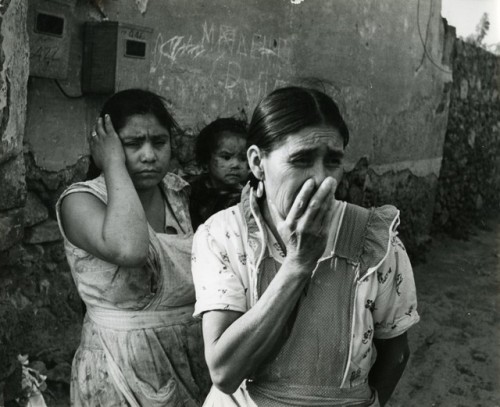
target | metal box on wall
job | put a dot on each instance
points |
(116, 56)
(49, 36)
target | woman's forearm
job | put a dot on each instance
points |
(234, 354)
(125, 227)
(392, 356)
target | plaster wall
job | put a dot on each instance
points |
(219, 60)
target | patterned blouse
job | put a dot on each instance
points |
(230, 246)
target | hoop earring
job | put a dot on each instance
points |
(260, 189)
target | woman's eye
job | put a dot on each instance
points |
(334, 162)
(131, 144)
(301, 161)
(160, 143)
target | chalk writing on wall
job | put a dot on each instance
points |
(219, 68)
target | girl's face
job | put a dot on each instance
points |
(228, 163)
(313, 152)
(147, 150)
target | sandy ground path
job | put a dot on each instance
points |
(456, 346)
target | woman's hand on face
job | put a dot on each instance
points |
(105, 144)
(306, 228)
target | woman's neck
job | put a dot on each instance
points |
(148, 196)
(271, 223)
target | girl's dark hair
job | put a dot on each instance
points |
(210, 135)
(289, 110)
(126, 103)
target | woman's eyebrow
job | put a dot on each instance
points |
(144, 136)
(305, 152)
(337, 153)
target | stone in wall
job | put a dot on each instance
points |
(11, 228)
(44, 232)
(34, 210)
(13, 190)
(14, 70)
(48, 185)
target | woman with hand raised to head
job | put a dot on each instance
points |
(305, 299)
(128, 236)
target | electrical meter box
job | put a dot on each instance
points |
(116, 56)
(49, 37)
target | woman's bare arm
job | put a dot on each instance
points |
(116, 232)
(392, 356)
(236, 344)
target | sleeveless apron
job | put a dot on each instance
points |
(310, 365)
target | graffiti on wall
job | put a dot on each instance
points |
(221, 65)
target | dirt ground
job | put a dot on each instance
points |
(455, 358)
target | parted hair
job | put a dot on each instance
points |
(289, 110)
(126, 103)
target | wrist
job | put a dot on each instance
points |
(300, 267)
(113, 163)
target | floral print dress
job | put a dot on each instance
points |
(140, 345)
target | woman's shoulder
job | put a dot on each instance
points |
(224, 222)
(376, 227)
(174, 182)
(96, 186)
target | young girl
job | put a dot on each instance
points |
(127, 236)
(221, 151)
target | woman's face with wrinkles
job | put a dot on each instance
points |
(313, 152)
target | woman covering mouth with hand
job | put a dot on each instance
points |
(305, 300)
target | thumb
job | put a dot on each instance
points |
(275, 213)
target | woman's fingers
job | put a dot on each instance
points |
(300, 203)
(100, 128)
(319, 203)
(108, 125)
(322, 221)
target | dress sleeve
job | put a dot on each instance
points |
(217, 279)
(395, 308)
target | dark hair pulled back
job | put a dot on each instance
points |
(287, 111)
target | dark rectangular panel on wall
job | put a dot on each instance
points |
(49, 34)
(115, 56)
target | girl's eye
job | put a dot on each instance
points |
(225, 157)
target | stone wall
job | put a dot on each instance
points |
(38, 305)
(469, 183)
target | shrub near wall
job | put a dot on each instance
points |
(469, 183)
